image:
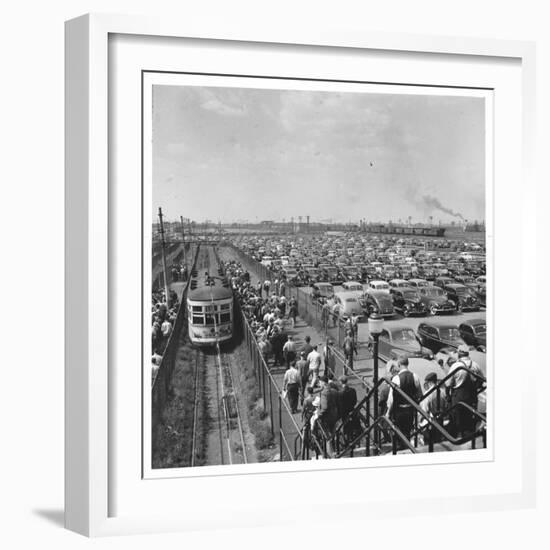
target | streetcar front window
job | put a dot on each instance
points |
(198, 320)
(225, 317)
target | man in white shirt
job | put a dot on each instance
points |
(314, 362)
(166, 328)
(464, 385)
(291, 385)
(289, 351)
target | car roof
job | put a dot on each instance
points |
(440, 324)
(474, 322)
(374, 292)
(392, 328)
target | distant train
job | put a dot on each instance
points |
(209, 308)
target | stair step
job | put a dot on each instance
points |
(443, 446)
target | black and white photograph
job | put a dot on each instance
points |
(315, 264)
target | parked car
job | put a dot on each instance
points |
(407, 301)
(474, 333)
(463, 298)
(398, 283)
(379, 285)
(400, 340)
(353, 286)
(347, 305)
(322, 291)
(418, 283)
(435, 300)
(481, 294)
(439, 336)
(380, 302)
(481, 280)
(443, 281)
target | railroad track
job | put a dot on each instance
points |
(230, 424)
(199, 393)
(214, 378)
(224, 409)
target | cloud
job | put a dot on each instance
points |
(231, 107)
(176, 148)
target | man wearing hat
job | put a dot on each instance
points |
(348, 401)
(399, 408)
(303, 369)
(463, 388)
(433, 404)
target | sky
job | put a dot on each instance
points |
(228, 154)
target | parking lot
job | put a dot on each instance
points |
(443, 264)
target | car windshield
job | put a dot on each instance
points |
(352, 300)
(433, 292)
(405, 334)
(449, 333)
(480, 329)
(462, 290)
(410, 295)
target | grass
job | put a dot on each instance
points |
(174, 442)
(258, 419)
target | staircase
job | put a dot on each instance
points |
(363, 434)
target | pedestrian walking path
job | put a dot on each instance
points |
(291, 423)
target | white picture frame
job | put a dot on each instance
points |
(90, 438)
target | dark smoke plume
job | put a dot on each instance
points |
(434, 204)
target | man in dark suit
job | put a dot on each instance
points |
(348, 397)
(348, 401)
(329, 409)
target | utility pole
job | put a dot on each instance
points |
(183, 240)
(166, 289)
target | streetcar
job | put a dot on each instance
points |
(209, 310)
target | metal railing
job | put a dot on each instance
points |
(371, 423)
(284, 428)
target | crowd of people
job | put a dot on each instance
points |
(450, 405)
(163, 317)
(179, 272)
(309, 379)
(309, 384)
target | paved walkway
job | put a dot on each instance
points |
(363, 366)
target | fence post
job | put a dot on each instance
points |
(271, 406)
(280, 430)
